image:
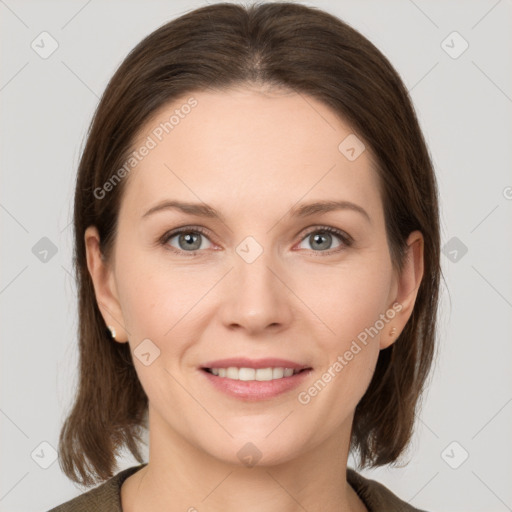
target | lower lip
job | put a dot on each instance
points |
(256, 389)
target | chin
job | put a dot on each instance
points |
(256, 447)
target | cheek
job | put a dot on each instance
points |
(351, 305)
(349, 299)
(154, 297)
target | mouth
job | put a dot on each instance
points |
(252, 380)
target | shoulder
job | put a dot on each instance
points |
(376, 496)
(105, 497)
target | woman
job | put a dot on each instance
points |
(228, 145)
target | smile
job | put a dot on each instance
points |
(253, 374)
(249, 379)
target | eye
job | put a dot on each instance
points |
(188, 239)
(321, 238)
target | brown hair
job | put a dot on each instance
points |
(279, 44)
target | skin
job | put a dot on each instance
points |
(252, 154)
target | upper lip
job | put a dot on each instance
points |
(244, 362)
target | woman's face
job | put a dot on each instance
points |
(262, 282)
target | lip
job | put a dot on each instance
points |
(255, 390)
(244, 362)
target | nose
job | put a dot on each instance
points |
(256, 295)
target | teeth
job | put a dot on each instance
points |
(260, 374)
(263, 374)
(246, 374)
(277, 373)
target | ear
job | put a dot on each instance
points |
(104, 285)
(408, 283)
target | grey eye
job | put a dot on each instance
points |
(188, 241)
(320, 240)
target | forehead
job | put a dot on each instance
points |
(250, 149)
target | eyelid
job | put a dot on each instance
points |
(346, 238)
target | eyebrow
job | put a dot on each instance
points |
(302, 210)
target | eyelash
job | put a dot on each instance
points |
(347, 241)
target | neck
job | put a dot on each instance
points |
(181, 477)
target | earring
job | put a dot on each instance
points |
(393, 331)
(112, 331)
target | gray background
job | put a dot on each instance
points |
(464, 105)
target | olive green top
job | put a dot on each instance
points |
(106, 497)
